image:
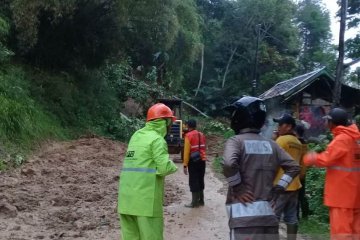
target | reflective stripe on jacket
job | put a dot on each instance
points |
(191, 144)
(250, 163)
(240, 214)
(294, 148)
(342, 160)
(141, 186)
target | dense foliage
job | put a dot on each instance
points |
(79, 61)
(314, 22)
(353, 44)
(243, 41)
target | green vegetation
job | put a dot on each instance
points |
(5, 53)
(315, 180)
(23, 121)
(210, 126)
(217, 164)
(71, 47)
(68, 67)
(314, 229)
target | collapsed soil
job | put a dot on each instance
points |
(67, 190)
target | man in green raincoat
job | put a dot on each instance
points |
(141, 187)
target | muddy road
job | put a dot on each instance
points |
(68, 190)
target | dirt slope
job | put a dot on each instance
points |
(68, 190)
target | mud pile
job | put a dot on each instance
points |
(68, 190)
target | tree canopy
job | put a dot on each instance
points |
(314, 23)
(245, 45)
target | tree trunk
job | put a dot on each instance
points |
(254, 80)
(201, 70)
(227, 66)
(340, 62)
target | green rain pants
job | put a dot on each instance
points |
(141, 228)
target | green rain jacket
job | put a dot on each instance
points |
(147, 162)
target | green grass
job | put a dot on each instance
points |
(23, 122)
(217, 164)
(314, 228)
(38, 105)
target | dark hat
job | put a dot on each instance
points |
(338, 116)
(285, 118)
(191, 123)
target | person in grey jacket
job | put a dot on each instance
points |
(250, 163)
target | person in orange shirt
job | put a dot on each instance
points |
(194, 163)
(342, 182)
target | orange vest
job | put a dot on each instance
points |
(191, 145)
(194, 137)
(342, 159)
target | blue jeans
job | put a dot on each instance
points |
(286, 204)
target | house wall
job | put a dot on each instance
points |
(309, 100)
(302, 107)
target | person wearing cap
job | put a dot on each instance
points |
(141, 184)
(194, 163)
(250, 163)
(287, 202)
(342, 182)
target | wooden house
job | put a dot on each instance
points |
(309, 97)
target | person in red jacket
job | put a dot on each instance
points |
(342, 182)
(194, 163)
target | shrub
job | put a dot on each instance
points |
(122, 129)
(217, 164)
(23, 121)
(315, 178)
(213, 127)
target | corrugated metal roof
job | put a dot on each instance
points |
(291, 85)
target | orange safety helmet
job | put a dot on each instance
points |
(159, 110)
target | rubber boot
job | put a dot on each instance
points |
(195, 200)
(201, 198)
(291, 231)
